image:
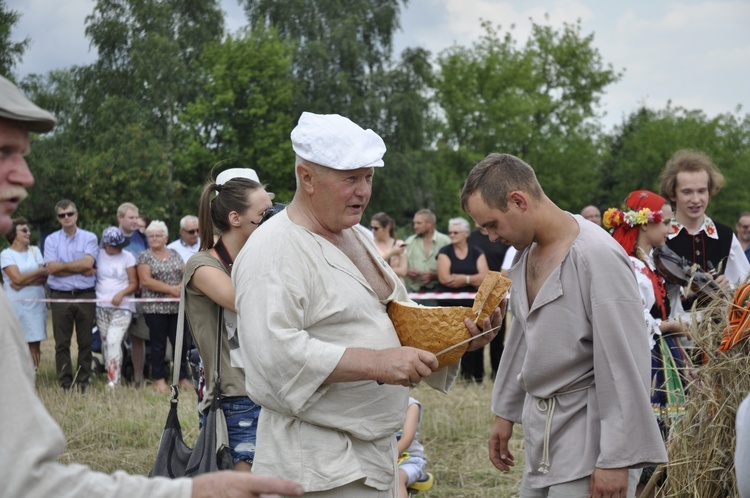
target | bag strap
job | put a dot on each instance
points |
(219, 331)
(178, 346)
(177, 354)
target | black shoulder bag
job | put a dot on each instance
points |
(211, 452)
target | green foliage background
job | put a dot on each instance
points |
(174, 98)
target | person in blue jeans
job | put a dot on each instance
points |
(232, 207)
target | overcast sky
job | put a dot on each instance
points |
(695, 53)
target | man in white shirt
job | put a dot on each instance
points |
(189, 242)
(321, 355)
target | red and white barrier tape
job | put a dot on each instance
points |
(413, 295)
(125, 300)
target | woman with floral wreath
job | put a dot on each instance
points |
(640, 225)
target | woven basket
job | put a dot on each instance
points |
(435, 328)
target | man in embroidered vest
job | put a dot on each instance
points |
(689, 180)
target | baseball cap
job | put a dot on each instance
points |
(113, 236)
(336, 142)
(14, 105)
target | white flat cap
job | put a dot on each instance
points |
(336, 142)
(14, 105)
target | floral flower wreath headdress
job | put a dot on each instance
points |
(639, 208)
(615, 217)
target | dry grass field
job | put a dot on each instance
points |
(121, 430)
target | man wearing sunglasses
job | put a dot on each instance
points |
(189, 242)
(70, 254)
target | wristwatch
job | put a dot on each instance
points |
(468, 280)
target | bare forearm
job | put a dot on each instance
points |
(23, 279)
(40, 280)
(356, 364)
(402, 366)
(158, 286)
(72, 268)
(130, 289)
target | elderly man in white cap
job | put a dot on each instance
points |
(32, 441)
(321, 355)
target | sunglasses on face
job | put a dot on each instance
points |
(191, 232)
(375, 229)
(24, 230)
(69, 214)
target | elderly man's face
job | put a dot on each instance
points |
(743, 229)
(592, 214)
(340, 197)
(189, 234)
(14, 172)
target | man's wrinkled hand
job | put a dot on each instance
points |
(404, 366)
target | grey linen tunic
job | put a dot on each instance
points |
(301, 304)
(581, 355)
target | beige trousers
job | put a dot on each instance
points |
(356, 489)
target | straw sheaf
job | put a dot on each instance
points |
(436, 328)
(701, 445)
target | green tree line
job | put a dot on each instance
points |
(173, 97)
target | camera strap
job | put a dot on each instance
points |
(223, 253)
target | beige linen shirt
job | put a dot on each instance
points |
(580, 355)
(32, 441)
(301, 303)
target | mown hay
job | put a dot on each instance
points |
(701, 445)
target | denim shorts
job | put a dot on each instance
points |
(241, 414)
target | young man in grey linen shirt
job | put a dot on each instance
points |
(576, 367)
(31, 439)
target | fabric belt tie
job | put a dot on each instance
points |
(548, 405)
(75, 291)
